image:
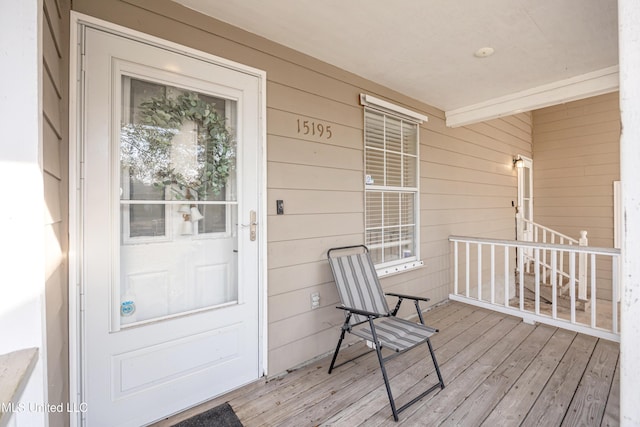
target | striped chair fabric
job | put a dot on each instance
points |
(394, 333)
(358, 285)
(359, 288)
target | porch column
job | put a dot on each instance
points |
(629, 54)
(22, 257)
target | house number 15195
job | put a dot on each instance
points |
(307, 127)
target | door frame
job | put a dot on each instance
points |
(78, 23)
(528, 163)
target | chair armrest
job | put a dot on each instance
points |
(393, 294)
(362, 312)
(416, 302)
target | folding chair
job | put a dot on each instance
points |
(368, 315)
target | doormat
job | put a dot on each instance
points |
(220, 416)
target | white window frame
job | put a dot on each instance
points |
(397, 112)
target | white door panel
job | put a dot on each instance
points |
(171, 294)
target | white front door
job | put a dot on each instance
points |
(525, 199)
(170, 256)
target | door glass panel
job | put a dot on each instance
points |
(526, 187)
(178, 201)
(526, 210)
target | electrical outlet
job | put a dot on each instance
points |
(315, 300)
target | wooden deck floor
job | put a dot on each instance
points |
(498, 371)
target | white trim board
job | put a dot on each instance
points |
(583, 86)
(392, 109)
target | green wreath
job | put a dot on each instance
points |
(146, 146)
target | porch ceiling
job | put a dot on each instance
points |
(425, 48)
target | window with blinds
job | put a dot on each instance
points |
(391, 187)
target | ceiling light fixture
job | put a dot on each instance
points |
(484, 52)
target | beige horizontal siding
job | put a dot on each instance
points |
(576, 153)
(299, 276)
(55, 41)
(52, 157)
(466, 177)
(305, 201)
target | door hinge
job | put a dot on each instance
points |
(81, 53)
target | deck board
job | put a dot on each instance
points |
(552, 404)
(487, 395)
(497, 371)
(517, 402)
(589, 402)
(612, 411)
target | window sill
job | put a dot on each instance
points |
(399, 268)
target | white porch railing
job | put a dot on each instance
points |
(486, 272)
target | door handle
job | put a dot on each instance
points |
(252, 225)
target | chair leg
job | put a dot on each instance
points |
(435, 363)
(386, 383)
(335, 354)
(384, 371)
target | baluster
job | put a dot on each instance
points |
(493, 274)
(537, 280)
(521, 276)
(572, 284)
(615, 265)
(582, 267)
(467, 271)
(554, 285)
(506, 276)
(479, 272)
(544, 258)
(593, 290)
(561, 262)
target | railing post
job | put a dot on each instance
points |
(479, 271)
(521, 277)
(455, 268)
(582, 267)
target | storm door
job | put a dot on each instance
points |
(170, 202)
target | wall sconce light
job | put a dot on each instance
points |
(518, 162)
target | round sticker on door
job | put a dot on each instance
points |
(127, 308)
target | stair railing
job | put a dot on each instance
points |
(540, 234)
